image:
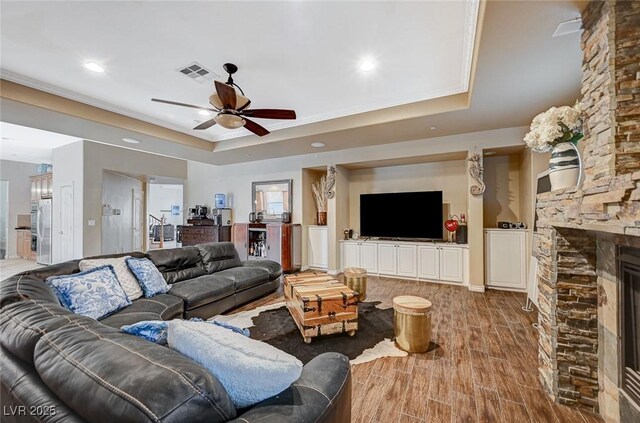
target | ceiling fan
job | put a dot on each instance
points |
(232, 107)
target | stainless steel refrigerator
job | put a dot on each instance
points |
(43, 231)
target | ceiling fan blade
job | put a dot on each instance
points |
(227, 95)
(206, 124)
(175, 103)
(255, 128)
(270, 113)
(247, 104)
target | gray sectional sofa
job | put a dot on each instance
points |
(59, 366)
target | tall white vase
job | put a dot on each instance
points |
(564, 166)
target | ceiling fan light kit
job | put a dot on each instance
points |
(229, 121)
(232, 107)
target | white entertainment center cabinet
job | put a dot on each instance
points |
(433, 261)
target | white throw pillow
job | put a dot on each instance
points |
(125, 277)
(251, 371)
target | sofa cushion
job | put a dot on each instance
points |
(108, 376)
(94, 293)
(217, 256)
(203, 290)
(178, 264)
(160, 307)
(245, 277)
(22, 389)
(22, 324)
(25, 287)
(273, 267)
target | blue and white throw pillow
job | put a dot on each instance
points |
(148, 275)
(151, 330)
(94, 293)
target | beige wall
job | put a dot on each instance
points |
(502, 197)
(338, 217)
(100, 157)
(17, 174)
(235, 180)
(448, 177)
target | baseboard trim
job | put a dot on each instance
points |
(304, 268)
(476, 288)
(332, 272)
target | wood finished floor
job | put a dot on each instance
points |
(484, 369)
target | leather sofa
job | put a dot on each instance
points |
(59, 366)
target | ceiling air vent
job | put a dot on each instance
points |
(198, 73)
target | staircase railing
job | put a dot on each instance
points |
(161, 222)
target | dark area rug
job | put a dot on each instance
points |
(277, 328)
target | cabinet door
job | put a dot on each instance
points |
(351, 255)
(274, 243)
(387, 259)
(318, 247)
(406, 258)
(239, 238)
(505, 261)
(26, 245)
(451, 264)
(369, 257)
(428, 262)
(34, 196)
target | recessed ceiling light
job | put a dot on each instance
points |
(94, 67)
(433, 127)
(204, 112)
(318, 144)
(367, 65)
(131, 140)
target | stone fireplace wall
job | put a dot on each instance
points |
(580, 228)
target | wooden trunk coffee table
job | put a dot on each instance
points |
(321, 305)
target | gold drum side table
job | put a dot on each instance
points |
(412, 323)
(356, 279)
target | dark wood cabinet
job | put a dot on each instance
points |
(280, 242)
(201, 231)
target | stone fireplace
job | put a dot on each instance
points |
(582, 231)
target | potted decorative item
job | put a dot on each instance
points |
(558, 130)
(320, 194)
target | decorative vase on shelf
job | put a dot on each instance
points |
(322, 218)
(564, 166)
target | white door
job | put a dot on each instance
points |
(369, 257)
(451, 264)
(351, 255)
(428, 262)
(407, 261)
(318, 247)
(138, 221)
(387, 259)
(66, 223)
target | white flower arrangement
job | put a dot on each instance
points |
(556, 125)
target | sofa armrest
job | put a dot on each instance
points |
(322, 394)
(274, 268)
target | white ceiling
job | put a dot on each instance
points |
(296, 55)
(23, 144)
(521, 70)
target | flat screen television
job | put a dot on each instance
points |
(415, 215)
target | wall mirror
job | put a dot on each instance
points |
(272, 198)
